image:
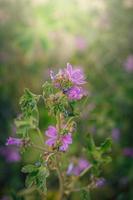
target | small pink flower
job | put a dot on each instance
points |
(75, 75)
(129, 63)
(77, 169)
(14, 141)
(128, 151)
(116, 134)
(80, 43)
(10, 153)
(52, 134)
(65, 140)
(100, 182)
(75, 93)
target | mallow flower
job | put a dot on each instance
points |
(64, 140)
(78, 168)
(76, 76)
(100, 182)
(14, 141)
(128, 151)
(75, 93)
(70, 81)
(10, 153)
(52, 134)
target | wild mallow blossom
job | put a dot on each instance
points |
(11, 154)
(128, 151)
(128, 65)
(100, 182)
(116, 134)
(80, 43)
(76, 76)
(70, 81)
(64, 140)
(77, 169)
(14, 141)
(75, 93)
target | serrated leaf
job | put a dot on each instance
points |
(29, 168)
(90, 143)
(28, 102)
(47, 89)
(41, 178)
(106, 145)
(30, 180)
(107, 159)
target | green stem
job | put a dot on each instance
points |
(61, 181)
(68, 122)
(40, 135)
(84, 172)
(58, 169)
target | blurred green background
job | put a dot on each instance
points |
(39, 35)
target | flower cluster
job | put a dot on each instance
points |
(66, 86)
(78, 168)
(55, 138)
(70, 81)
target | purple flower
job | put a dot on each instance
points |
(52, 134)
(100, 182)
(76, 76)
(65, 140)
(75, 93)
(52, 76)
(129, 63)
(77, 169)
(116, 134)
(83, 164)
(11, 154)
(14, 141)
(70, 169)
(69, 80)
(80, 43)
(128, 152)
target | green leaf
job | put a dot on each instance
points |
(29, 168)
(41, 179)
(28, 103)
(47, 89)
(30, 180)
(107, 159)
(106, 145)
(90, 143)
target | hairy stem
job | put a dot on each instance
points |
(61, 181)
(40, 135)
(58, 169)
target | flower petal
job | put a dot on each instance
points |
(51, 132)
(50, 142)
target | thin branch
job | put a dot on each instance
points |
(85, 171)
(40, 135)
(61, 181)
